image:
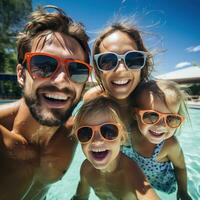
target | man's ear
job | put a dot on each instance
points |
(20, 75)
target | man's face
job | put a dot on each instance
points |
(52, 100)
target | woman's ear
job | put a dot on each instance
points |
(20, 75)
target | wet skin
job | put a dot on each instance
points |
(33, 155)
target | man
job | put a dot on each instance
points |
(35, 146)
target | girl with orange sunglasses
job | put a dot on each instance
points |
(159, 109)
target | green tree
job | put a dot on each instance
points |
(13, 14)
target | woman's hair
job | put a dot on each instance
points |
(124, 25)
(44, 23)
(99, 105)
(168, 91)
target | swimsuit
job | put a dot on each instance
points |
(159, 174)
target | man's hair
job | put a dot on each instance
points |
(48, 22)
(100, 104)
(127, 26)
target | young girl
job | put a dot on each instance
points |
(159, 108)
(111, 174)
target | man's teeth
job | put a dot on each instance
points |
(121, 82)
(56, 97)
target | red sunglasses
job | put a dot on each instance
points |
(44, 65)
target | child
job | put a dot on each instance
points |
(106, 170)
(159, 108)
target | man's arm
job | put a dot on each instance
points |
(175, 155)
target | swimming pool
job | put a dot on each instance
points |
(189, 140)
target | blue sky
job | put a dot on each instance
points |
(170, 25)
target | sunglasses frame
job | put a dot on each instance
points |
(97, 128)
(29, 55)
(119, 58)
(161, 115)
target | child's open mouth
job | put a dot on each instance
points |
(156, 134)
(99, 155)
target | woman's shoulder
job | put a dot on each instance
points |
(93, 93)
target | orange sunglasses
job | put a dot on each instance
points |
(44, 65)
(172, 120)
(108, 132)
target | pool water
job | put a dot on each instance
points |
(189, 140)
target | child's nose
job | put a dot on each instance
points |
(97, 139)
(161, 122)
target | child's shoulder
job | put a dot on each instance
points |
(132, 172)
(86, 167)
(128, 164)
(171, 145)
(171, 142)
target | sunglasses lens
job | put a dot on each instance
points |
(107, 61)
(150, 117)
(84, 134)
(109, 131)
(78, 72)
(173, 121)
(135, 60)
(42, 66)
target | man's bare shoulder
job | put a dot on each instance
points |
(9, 107)
(8, 112)
(93, 93)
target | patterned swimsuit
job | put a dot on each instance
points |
(159, 174)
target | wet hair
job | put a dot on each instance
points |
(167, 91)
(127, 26)
(100, 104)
(43, 23)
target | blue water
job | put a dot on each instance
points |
(189, 140)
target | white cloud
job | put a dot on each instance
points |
(183, 64)
(123, 1)
(193, 49)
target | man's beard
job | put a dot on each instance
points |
(57, 118)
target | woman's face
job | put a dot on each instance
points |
(120, 82)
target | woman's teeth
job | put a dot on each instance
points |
(120, 82)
